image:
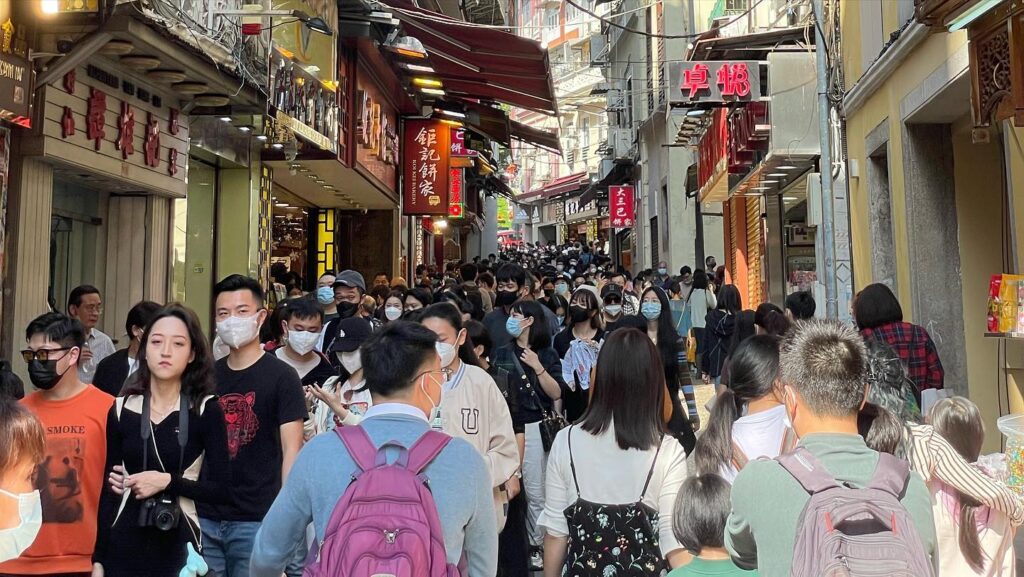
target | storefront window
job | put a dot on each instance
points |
(801, 273)
(76, 231)
(289, 255)
(194, 240)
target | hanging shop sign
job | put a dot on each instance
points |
(117, 126)
(748, 133)
(592, 229)
(456, 203)
(460, 146)
(714, 81)
(16, 76)
(712, 175)
(425, 152)
(620, 201)
(302, 103)
(376, 142)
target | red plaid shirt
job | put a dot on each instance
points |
(913, 344)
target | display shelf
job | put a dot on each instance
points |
(1005, 336)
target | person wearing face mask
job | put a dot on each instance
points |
(583, 326)
(21, 510)
(160, 433)
(264, 408)
(404, 394)
(512, 286)
(325, 296)
(115, 369)
(472, 407)
(562, 286)
(346, 400)
(611, 296)
(661, 275)
(393, 306)
(654, 308)
(70, 479)
(535, 372)
(301, 324)
(349, 289)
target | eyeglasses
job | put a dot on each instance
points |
(92, 308)
(43, 355)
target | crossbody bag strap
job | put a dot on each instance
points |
(572, 463)
(650, 474)
(533, 386)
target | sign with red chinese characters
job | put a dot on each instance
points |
(714, 81)
(425, 149)
(459, 147)
(620, 206)
(456, 202)
(712, 159)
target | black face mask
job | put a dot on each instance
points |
(506, 298)
(43, 374)
(549, 292)
(578, 314)
(347, 310)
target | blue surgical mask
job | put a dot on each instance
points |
(562, 288)
(561, 320)
(663, 271)
(650, 311)
(325, 295)
(514, 327)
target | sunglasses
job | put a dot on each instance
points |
(43, 355)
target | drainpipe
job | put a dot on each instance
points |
(827, 197)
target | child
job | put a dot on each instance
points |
(973, 539)
(701, 510)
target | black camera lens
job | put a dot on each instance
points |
(165, 520)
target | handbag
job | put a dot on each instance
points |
(691, 348)
(552, 421)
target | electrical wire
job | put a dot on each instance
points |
(662, 36)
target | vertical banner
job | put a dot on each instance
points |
(456, 203)
(425, 151)
(620, 206)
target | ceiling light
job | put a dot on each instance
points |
(261, 137)
(452, 123)
(769, 182)
(441, 224)
(225, 119)
(245, 128)
(427, 82)
(281, 204)
(972, 14)
(695, 112)
(417, 68)
(789, 198)
(434, 91)
(50, 6)
(452, 113)
(778, 174)
(787, 167)
(277, 146)
(409, 47)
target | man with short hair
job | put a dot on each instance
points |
(325, 296)
(114, 370)
(512, 286)
(381, 279)
(685, 282)
(710, 265)
(630, 303)
(71, 478)
(85, 304)
(800, 306)
(823, 374)
(404, 394)
(468, 274)
(661, 275)
(349, 289)
(301, 326)
(612, 308)
(264, 407)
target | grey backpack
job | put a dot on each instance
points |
(853, 532)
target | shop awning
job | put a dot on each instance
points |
(563, 186)
(481, 63)
(753, 46)
(541, 138)
(621, 173)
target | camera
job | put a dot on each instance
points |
(161, 512)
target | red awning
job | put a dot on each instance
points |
(557, 187)
(481, 63)
(541, 138)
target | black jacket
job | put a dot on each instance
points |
(717, 336)
(112, 372)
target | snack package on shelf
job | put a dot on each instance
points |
(993, 302)
(1009, 302)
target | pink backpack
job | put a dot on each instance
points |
(386, 523)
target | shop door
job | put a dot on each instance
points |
(76, 241)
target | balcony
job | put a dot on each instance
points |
(575, 79)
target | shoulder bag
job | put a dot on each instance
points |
(552, 421)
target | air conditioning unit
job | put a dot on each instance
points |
(814, 199)
(622, 141)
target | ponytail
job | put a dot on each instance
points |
(970, 546)
(714, 447)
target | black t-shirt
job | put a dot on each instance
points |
(256, 401)
(320, 373)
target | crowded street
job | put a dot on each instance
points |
(511, 288)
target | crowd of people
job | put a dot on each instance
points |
(532, 411)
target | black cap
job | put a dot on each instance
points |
(352, 333)
(611, 290)
(351, 279)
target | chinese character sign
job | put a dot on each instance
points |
(713, 81)
(425, 152)
(456, 204)
(459, 147)
(620, 206)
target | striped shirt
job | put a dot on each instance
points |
(934, 458)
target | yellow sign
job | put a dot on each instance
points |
(287, 122)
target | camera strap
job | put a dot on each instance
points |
(146, 430)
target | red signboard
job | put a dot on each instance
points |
(459, 147)
(620, 206)
(425, 149)
(712, 148)
(714, 81)
(456, 204)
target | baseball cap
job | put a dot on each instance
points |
(611, 290)
(352, 332)
(350, 278)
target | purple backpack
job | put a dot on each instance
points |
(386, 523)
(849, 532)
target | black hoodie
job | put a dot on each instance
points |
(717, 336)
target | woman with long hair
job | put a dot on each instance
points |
(656, 311)
(701, 300)
(583, 336)
(721, 323)
(614, 475)
(469, 390)
(558, 305)
(748, 420)
(160, 434)
(394, 306)
(535, 374)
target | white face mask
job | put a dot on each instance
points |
(613, 310)
(351, 361)
(302, 342)
(236, 332)
(447, 353)
(14, 541)
(393, 313)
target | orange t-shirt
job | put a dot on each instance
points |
(69, 482)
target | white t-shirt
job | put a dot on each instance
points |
(758, 435)
(302, 367)
(611, 476)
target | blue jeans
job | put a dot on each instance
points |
(227, 547)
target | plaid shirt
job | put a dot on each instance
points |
(913, 344)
